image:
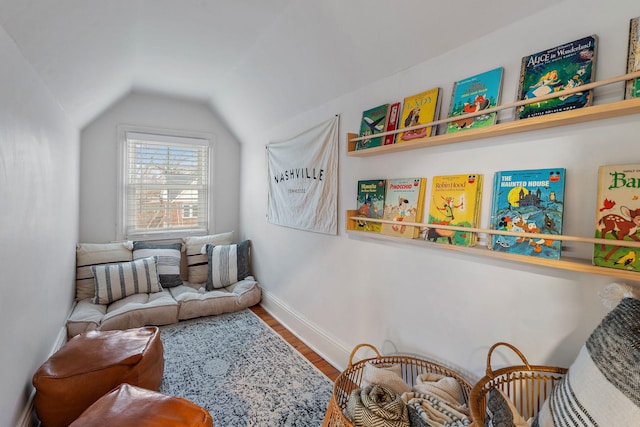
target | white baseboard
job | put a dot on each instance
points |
(28, 417)
(333, 352)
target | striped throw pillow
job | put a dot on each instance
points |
(116, 281)
(168, 256)
(602, 385)
(228, 264)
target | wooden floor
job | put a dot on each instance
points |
(289, 337)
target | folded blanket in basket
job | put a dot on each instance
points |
(443, 387)
(377, 406)
(435, 411)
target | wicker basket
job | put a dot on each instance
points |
(351, 379)
(528, 386)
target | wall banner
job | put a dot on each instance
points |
(303, 180)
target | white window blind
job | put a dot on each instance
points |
(166, 185)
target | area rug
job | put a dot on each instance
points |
(242, 372)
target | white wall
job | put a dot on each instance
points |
(39, 151)
(340, 291)
(98, 165)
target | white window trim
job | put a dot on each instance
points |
(122, 131)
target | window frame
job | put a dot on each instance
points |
(121, 191)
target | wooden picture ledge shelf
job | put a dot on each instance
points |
(565, 263)
(581, 115)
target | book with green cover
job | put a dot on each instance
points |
(370, 203)
(563, 67)
(633, 59)
(373, 122)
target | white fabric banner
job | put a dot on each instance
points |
(303, 180)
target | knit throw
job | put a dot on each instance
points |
(377, 406)
(435, 411)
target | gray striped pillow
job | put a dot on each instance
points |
(602, 385)
(228, 264)
(168, 256)
(116, 281)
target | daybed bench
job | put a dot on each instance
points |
(113, 290)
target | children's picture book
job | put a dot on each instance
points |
(419, 109)
(474, 94)
(455, 200)
(373, 122)
(530, 201)
(370, 203)
(618, 216)
(393, 120)
(404, 202)
(560, 68)
(633, 58)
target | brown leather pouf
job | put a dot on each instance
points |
(91, 365)
(129, 406)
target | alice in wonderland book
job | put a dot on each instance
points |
(474, 94)
(370, 203)
(560, 68)
(455, 200)
(530, 201)
(404, 202)
(618, 216)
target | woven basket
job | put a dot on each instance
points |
(351, 379)
(528, 386)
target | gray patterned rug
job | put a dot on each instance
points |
(242, 372)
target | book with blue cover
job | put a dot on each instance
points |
(530, 201)
(474, 94)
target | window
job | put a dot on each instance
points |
(165, 184)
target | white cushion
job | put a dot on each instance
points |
(197, 261)
(89, 254)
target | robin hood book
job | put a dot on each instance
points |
(618, 216)
(474, 94)
(373, 122)
(370, 203)
(419, 109)
(633, 58)
(393, 120)
(404, 202)
(455, 200)
(530, 201)
(563, 67)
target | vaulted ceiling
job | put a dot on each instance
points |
(263, 59)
